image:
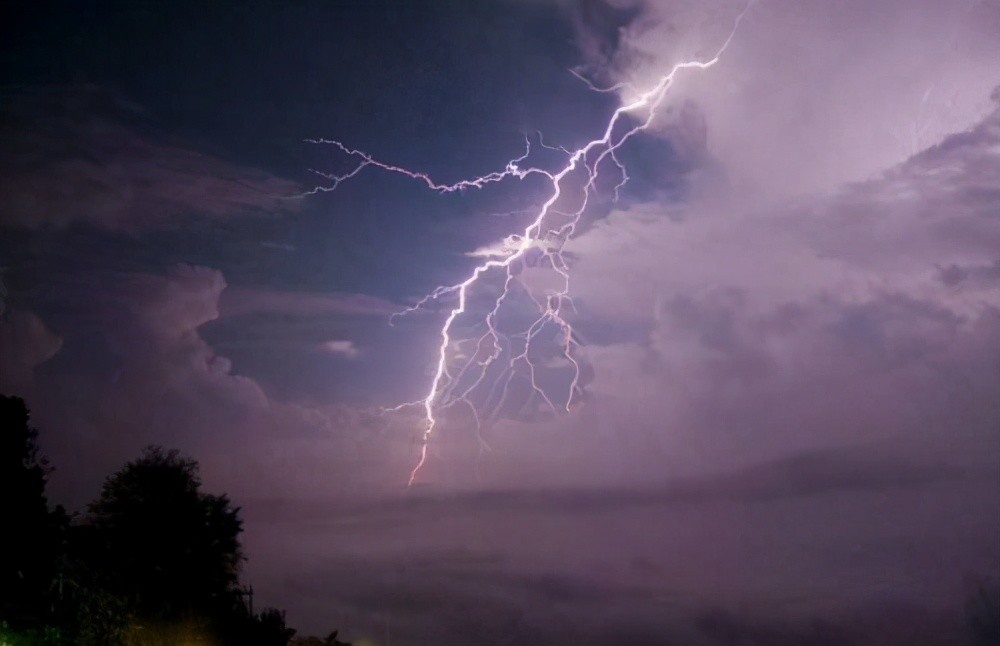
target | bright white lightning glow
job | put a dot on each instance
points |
(548, 232)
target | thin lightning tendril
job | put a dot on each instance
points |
(444, 389)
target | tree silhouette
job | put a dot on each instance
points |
(169, 549)
(156, 561)
(32, 540)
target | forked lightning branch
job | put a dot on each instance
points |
(477, 371)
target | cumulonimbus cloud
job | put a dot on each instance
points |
(812, 94)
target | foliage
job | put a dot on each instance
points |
(156, 560)
(167, 559)
(169, 549)
(41, 636)
(267, 628)
(29, 559)
(100, 617)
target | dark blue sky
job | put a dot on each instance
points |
(446, 87)
(450, 88)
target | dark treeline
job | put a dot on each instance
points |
(154, 560)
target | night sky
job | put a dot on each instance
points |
(788, 322)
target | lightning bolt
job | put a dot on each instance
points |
(548, 232)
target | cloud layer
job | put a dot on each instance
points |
(79, 155)
(810, 95)
(791, 437)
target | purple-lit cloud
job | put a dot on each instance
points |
(816, 94)
(79, 155)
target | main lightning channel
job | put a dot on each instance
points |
(589, 158)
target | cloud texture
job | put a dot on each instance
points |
(79, 154)
(813, 94)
